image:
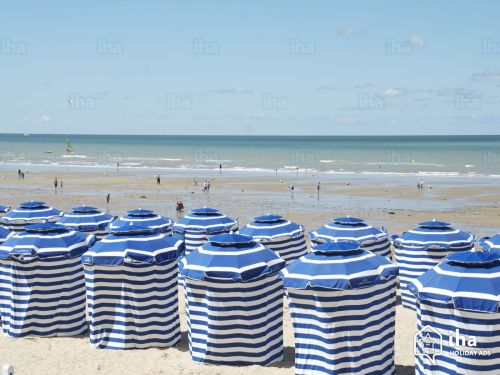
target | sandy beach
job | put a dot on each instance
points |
(395, 204)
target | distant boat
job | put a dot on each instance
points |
(48, 152)
(69, 147)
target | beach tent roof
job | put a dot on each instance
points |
(268, 227)
(231, 257)
(86, 219)
(469, 280)
(142, 217)
(44, 241)
(206, 220)
(347, 228)
(30, 211)
(133, 243)
(4, 234)
(490, 243)
(435, 234)
(338, 265)
(4, 209)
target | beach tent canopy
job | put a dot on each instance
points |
(43, 286)
(4, 209)
(490, 243)
(5, 233)
(133, 243)
(233, 257)
(354, 229)
(145, 218)
(469, 280)
(420, 249)
(234, 302)
(342, 301)
(29, 213)
(86, 219)
(285, 237)
(46, 240)
(131, 279)
(338, 265)
(201, 223)
(460, 297)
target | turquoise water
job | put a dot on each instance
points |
(413, 155)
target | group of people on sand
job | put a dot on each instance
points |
(58, 183)
(20, 174)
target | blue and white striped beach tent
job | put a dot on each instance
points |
(278, 234)
(87, 219)
(201, 223)
(490, 243)
(420, 249)
(32, 212)
(4, 210)
(144, 218)
(5, 233)
(42, 285)
(342, 302)
(458, 307)
(132, 296)
(354, 229)
(234, 302)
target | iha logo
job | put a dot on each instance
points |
(428, 343)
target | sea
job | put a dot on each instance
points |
(451, 156)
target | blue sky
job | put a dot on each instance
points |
(260, 67)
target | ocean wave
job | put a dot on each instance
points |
(74, 156)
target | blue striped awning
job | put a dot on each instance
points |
(269, 227)
(338, 265)
(133, 244)
(85, 219)
(231, 257)
(31, 212)
(354, 229)
(46, 240)
(469, 280)
(490, 243)
(145, 218)
(4, 234)
(206, 220)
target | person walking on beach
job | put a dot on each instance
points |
(108, 198)
(195, 181)
(318, 188)
(61, 184)
(220, 168)
(205, 186)
(55, 183)
(18, 173)
(158, 180)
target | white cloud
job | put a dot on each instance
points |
(416, 41)
(487, 76)
(349, 31)
(43, 119)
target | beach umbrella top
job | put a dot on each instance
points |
(231, 257)
(31, 211)
(207, 220)
(469, 280)
(133, 243)
(86, 218)
(338, 265)
(434, 234)
(45, 240)
(490, 243)
(4, 234)
(348, 228)
(145, 218)
(4, 209)
(268, 227)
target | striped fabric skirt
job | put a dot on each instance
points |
(288, 249)
(133, 306)
(382, 246)
(42, 297)
(344, 331)
(413, 262)
(458, 329)
(235, 323)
